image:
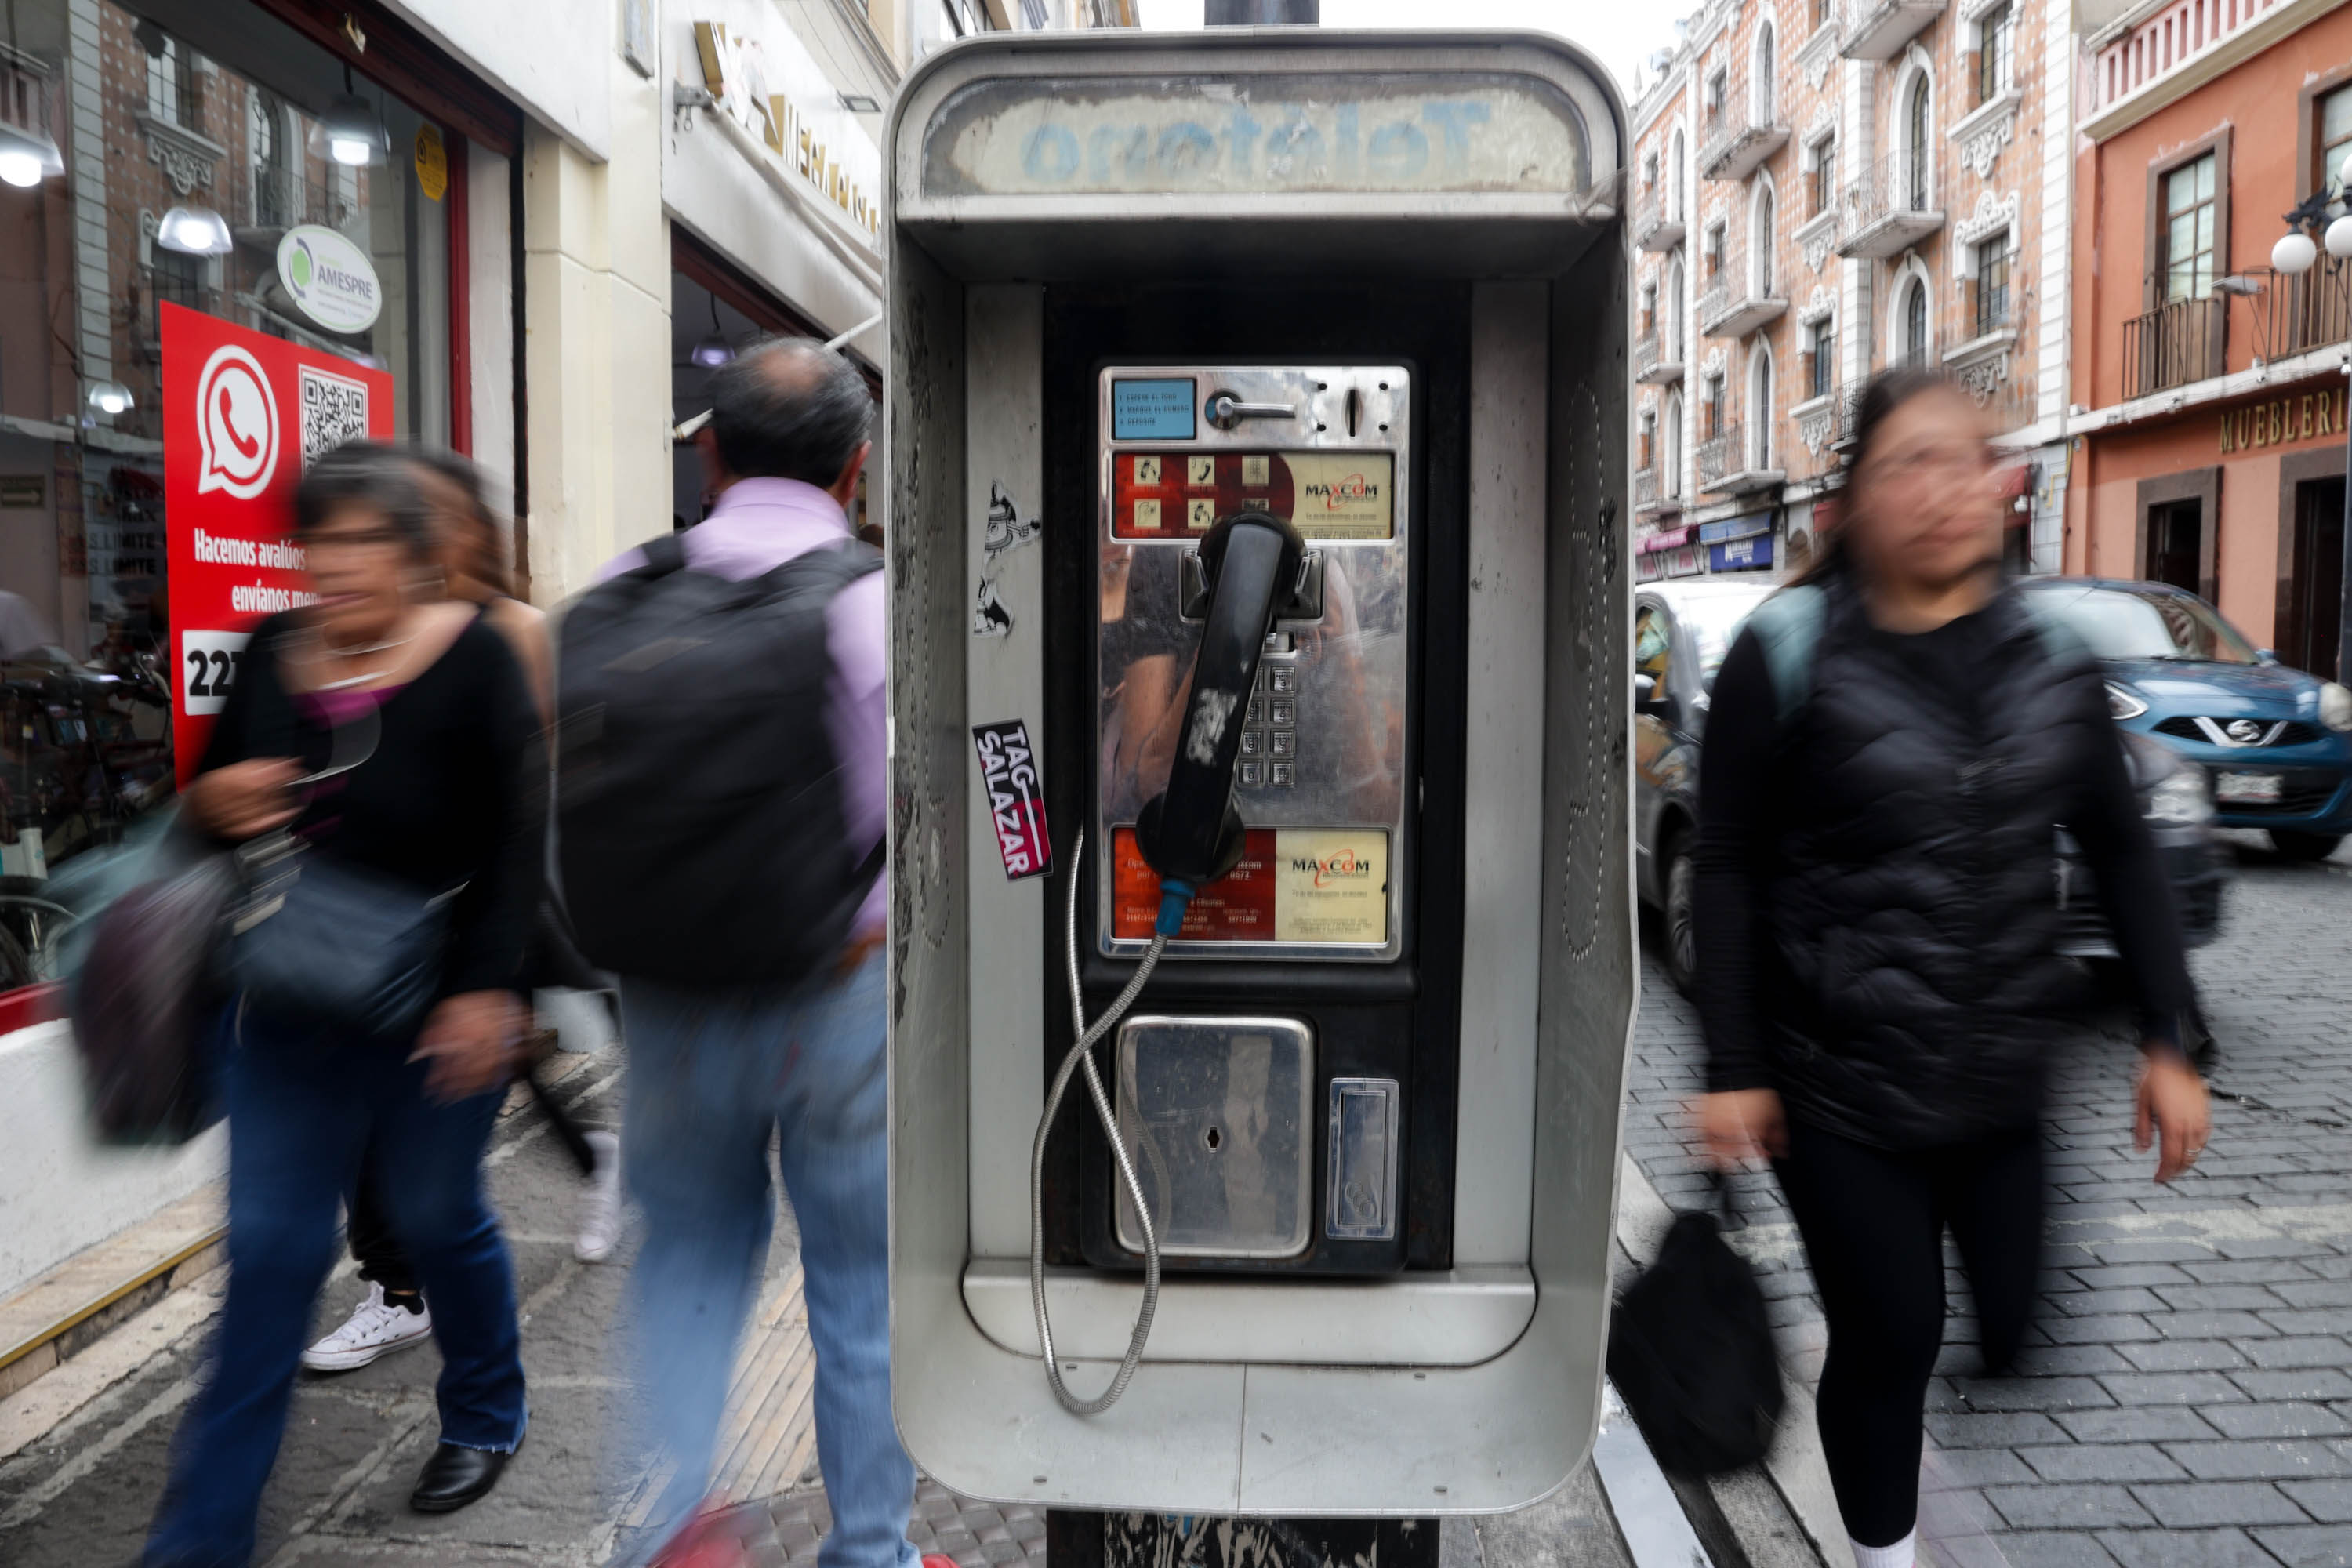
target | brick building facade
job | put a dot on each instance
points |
(1823, 188)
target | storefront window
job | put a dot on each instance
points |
(163, 138)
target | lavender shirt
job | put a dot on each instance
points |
(757, 526)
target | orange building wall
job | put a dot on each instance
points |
(2258, 103)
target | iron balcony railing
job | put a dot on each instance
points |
(1645, 489)
(2296, 313)
(283, 198)
(2175, 342)
(1727, 459)
(1891, 204)
(1742, 122)
(1657, 220)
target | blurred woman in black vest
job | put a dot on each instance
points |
(1876, 926)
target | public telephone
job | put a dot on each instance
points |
(1253, 664)
(1256, 458)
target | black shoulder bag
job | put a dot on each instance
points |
(1691, 1353)
(315, 941)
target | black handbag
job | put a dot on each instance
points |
(1691, 1352)
(318, 941)
(144, 1000)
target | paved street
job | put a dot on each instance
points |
(2187, 1400)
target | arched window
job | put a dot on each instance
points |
(1763, 243)
(1759, 408)
(1675, 308)
(1674, 178)
(1764, 80)
(1918, 119)
(1915, 324)
(1674, 453)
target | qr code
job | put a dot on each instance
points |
(334, 410)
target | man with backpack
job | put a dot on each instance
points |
(720, 801)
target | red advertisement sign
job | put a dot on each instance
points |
(243, 416)
(1236, 906)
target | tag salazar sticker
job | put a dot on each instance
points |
(1016, 797)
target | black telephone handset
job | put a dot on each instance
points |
(1190, 833)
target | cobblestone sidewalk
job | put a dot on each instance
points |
(2186, 1400)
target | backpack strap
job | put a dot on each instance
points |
(664, 554)
(1789, 625)
(844, 561)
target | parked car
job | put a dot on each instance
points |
(2276, 743)
(1681, 633)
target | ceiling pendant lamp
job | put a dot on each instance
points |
(194, 231)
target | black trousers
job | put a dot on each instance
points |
(1873, 1223)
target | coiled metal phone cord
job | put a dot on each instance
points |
(1081, 1055)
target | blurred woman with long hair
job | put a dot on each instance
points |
(1877, 927)
(389, 732)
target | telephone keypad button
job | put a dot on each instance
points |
(1282, 681)
(1252, 775)
(1253, 743)
(1282, 742)
(1284, 713)
(1281, 772)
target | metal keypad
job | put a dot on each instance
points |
(1273, 729)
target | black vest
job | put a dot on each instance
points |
(1914, 902)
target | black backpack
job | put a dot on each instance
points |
(699, 828)
(1690, 1352)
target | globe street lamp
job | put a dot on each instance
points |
(2322, 219)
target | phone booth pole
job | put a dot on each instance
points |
(1262, 951)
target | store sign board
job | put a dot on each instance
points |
(764, 80)
(2306, 417)
(243, 416)
(329, 279)
(1749, 554)
(1397, 132)
(1732, 528)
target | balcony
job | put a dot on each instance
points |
(279, 199)
(1892, 207)
(1847, 415)
(1743, 293)
(2297, 313)
(1877, 29)
(1729, 465)
(1983, 359)
(1657, 224)
(2175, 342)
(1655, 361)
(1648, 501)
(1741, 128)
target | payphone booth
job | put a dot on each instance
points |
(1257, 528)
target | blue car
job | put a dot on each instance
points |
(2276, 743)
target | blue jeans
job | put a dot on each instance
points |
(710, 1074)
(302, 1106)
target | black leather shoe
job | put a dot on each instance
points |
(454, 1477)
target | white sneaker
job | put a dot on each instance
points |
(376, 1327)
(599, 1206)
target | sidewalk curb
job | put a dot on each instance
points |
(1748, 1513)
(60, 1313)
